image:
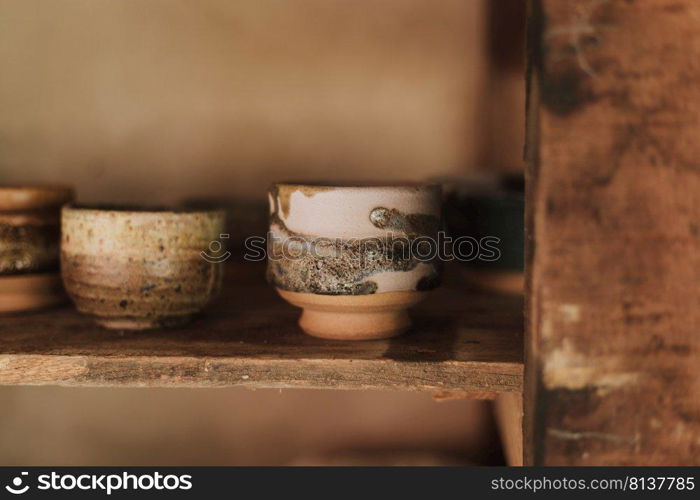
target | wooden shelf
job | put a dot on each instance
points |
(462, 341)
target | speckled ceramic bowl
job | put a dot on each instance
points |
(29, 246)
(137, 269)
(345, 255)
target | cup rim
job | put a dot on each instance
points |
(361, 185)
(136, 210)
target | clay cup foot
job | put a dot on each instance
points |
(136, 324)
(496, 281)
(354, 317)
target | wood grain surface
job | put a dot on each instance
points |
(461, 341)
(613, 351)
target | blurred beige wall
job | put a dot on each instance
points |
(116, 426)
(153, 100)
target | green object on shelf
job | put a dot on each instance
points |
(496, 211)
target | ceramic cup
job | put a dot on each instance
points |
(29, 246)
(135, 269)
(345, 255)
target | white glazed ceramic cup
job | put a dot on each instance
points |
(353, 257)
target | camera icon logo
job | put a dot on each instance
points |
(216, 253)
(16, 487)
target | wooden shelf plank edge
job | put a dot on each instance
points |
(176, 371)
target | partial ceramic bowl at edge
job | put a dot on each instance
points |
(29, 246)
(29, 227)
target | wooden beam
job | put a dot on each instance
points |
(613, 314)
(509, 417)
